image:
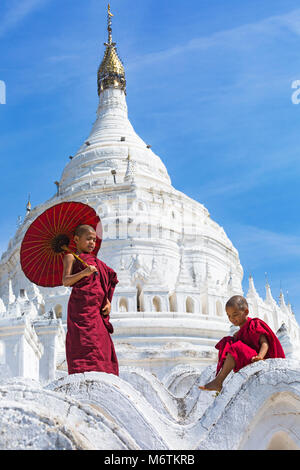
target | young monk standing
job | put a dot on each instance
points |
(88, 343)
(253, 342)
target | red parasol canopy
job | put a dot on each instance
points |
(42, 249)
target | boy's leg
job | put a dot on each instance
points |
(238, 355)
(217, 383)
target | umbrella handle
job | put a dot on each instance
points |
(64, 247)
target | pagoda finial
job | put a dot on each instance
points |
(267, 280)
(269, 298)
(28, 206)
(109, 29)
(108, 11)
(282, 303)
(111, 73)
(251, 291)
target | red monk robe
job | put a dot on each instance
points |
(88, 343)
(245, 344)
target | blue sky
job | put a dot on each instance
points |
(208, 86)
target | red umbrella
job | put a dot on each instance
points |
(51, 235)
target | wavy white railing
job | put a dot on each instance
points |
(136, 411)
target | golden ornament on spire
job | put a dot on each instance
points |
(111, 73)
(108, 10)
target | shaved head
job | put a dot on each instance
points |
(237, 301)
(81, 229)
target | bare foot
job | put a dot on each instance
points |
(214, 385)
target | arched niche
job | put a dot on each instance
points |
(123, 305)
(156, 302)
(58, 311)
(139, 299)
(281, 440)
(173, 302)
(189, 305)
(275, 425)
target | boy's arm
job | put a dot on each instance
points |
(264, 346)
(69, 279)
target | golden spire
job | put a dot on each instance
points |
(109, 12)
(111, 73)
(109, 15)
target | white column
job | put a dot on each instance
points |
(22, 348)
(51, 334)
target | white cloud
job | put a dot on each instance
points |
(276, 253)
(260, 172)
(63, 58)
(238, 38)
(266, 244)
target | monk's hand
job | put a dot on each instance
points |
(106, 309)
(257, 358)
(90, 270)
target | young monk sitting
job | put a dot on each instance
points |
(253, 342)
